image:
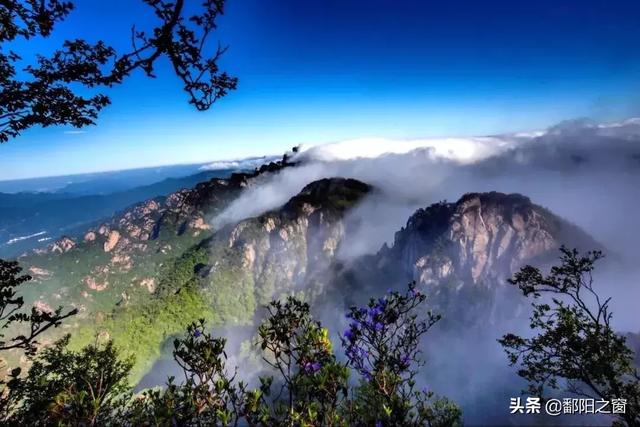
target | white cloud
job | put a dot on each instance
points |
(461, 150)
(582, 171)
(240, 164)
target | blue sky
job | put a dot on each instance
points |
(316, 72)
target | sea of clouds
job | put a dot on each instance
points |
(588, 173)
(585, 172)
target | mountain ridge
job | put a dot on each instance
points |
(160, 264)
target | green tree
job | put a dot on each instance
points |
(312, 383)
(382, 344)
(53, 90)
(574, 339)
(208, 396)
(310, 387)
(64, 387)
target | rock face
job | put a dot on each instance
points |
(63, 245)
(39, 273)
(149, 283)
(284, 249)
(94, 285)
(112, 240)
(483, 237)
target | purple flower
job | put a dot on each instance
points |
(378, 326)
(378, 423)
(404, 362)
(348, 334)
(197, 333)
(312, 367)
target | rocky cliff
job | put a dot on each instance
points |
(483, 237)
(285, 250)
(150, 270)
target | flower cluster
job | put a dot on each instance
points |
(383, 336)
(382, 344)
(312, 367)
(364, 322)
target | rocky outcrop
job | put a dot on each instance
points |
(483, 237)
(112, 240)
(284, 249)
(42, 307)
(93, 284)
(39, 273)
(122, 261)
(149, 283)
(63, 245)
(199, 224)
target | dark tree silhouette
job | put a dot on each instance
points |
(54, 87)
(29, 324)
(575, 341)
(33, 323)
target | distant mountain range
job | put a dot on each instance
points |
(98, 182)
(36, 210)
(28, 219)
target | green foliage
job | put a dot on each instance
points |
(313, 383)
(382, 345)
(208, 395)
(36, 322)
(575, 341)
(232, 292)
(85, 381)
(141, 329)
(64, 387)
(180, 272)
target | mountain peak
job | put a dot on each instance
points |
(333, 194)
(481, 237)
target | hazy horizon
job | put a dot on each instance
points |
(258, 155)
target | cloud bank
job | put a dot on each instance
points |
(581, 170)
(461, 150)
(240, 164)
(586, 172)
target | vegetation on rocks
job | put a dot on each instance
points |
(307, 386)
